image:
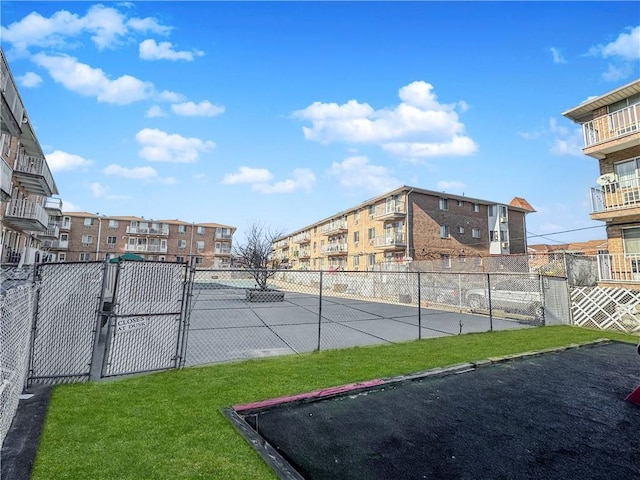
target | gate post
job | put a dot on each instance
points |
(98, 352)
(320, 311)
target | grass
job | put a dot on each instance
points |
(170, 425)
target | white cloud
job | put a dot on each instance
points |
(155, 111)
(60, 161)
(105, 25)
(85, 80)
(418, 126)
(566, 141)
(150, 50)
(302, 179)
(201, 177)
(67, 206)
(171, 97)
(626, 46)
(357, 172)
(100, 191)
(159, 146)
(451, 186)
(248, 175)
(557, 55)
(29, 80)
(623, 52)
(147, 174)
(202, 109)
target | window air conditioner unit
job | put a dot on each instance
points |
(505, 244)
(372, 241)
(371, 216)
(503, 219)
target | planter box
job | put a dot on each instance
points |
(253, 295)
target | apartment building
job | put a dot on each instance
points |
(29, 212)
(403, 225)
(88, 236)
(611, 136)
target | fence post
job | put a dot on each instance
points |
(419, 310)
(320, 311)
(98, 349)
(490, 308)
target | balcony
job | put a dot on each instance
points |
(334, 227)
(619, 268)
(147, 231)
(304, 253)
(34, 175)
(146, 248)
(5, 181)
(222, 251)
(54, 206)
(389, 211)
(51, 244)
(611, 132)
(617, 199)
(301, 238)
(52, 231)
(335, 249)
(26, 215)
(390, 241)
(224, 236)
(12, 108)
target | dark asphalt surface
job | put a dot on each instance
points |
(559, 415)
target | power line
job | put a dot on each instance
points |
(565, 231)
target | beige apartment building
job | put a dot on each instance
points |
(407, 224)
(611, 135)
(29, 212)
(88, 236)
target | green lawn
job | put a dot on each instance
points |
(169, 425)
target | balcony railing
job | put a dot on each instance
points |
(301, 238)
(619, 268)
(25, 214)
(611, 126)
(335, 248)
(52, 231)
(393, 240)
(146, 248)
(616, 196)
(147, 231)
(336, 226)
(33, 172)
(10, 94)
(5, 180)
(54, 204)
(389, 210)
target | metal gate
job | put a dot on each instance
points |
(68, 299)
(146, 322)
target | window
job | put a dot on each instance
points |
(314, 246)
(631, 240)
(356, 237)
(371, 233)
(182, 229)
(200, 230)
(475, 207)
(199, 260)
(113, 224)
(88, 222)
(444, 231)
(182, 244)
(460, 203)
(111, 240)
(356, 261)
(493, 236)
(85, 257)
(64, 237)
(504, 236)
(87, 239)
(492, 210)
(475, 232)
(444, 204)
(460, 229)
(62, 257)
(372, 210)
(372, 259)
(66, 222)
(179, 259)
(356, 216)
(200, 244)
(503, 211)
(445, 261)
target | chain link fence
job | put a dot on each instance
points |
(16, 315)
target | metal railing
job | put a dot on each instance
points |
(53, 204)
(619, 268)
(27, 209)
(145, 248)
(301, 237)
(10, 91)
(389, 209)
(5, 179)
(147, 230)
(393, 240)
(335, 248)
(611, 126)
(34, 165)
(334, 226)
(616, 196)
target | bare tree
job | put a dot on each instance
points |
(256, 253)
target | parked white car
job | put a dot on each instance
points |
(515, 295)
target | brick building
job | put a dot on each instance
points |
(407, 224)
(611, 133)
(88, 236)
(29, 212)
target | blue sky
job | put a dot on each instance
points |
(284, 113)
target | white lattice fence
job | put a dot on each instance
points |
(606, 308)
